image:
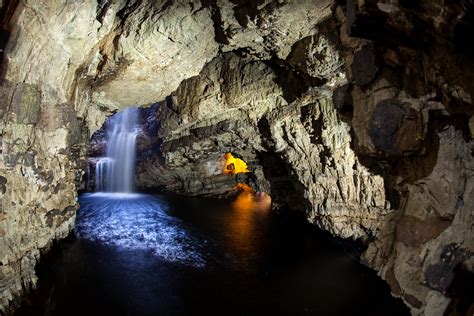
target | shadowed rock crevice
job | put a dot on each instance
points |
(294, 83)
(283, 186)
(220, 35)
(245, 10)
(461, 290)
(7, 9)
(464, 27)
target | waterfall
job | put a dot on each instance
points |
(115, 172)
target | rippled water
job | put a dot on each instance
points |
(138, 222)
(137, 254)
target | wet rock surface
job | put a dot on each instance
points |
(357, 114)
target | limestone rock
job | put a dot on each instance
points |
(364, 66)
(342, 99)
(433, 236)
(364, 103)
(411, 250)
(269, 28)
(206, 117)
(341, 195)
(317, 56)
(160, 45)
(26, 104)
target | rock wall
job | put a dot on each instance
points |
(358, 114)
(66, 66)
(43, 139)
(411, 99)
(207, 116)
(301, 146)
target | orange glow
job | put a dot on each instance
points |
(248, 200)
(248, 210)
(234, 165)
(243, 187)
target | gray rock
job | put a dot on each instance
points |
(26, 103)
(364, 67)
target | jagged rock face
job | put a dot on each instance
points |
(40, 166)
(267, 28)
(358, 115)
(340, 194)
(430, 239)
(411, 104)
(243, 110)
(153, 47)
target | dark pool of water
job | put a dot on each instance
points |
(169, 255)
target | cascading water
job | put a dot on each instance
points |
(115, 172)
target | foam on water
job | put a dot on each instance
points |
(138, 222)
(114, 195)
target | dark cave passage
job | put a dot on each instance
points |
(134, 253)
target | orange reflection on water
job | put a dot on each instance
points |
(245, 229)
(248, 200)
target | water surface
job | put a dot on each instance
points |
(137, 254)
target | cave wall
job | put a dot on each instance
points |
(360, 111)
(384, 155)
(42, 138)
(410, 88)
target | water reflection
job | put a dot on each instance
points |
(143, 222)
(145, 255)
(250, 202)
(247, 227)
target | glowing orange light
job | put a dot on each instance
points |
(234, 165)
(248, 209)
(243, 187)
(249, 200)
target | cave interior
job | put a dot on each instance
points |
(293, 157)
